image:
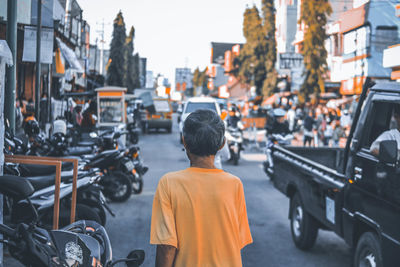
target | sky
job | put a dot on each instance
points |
(171, 33)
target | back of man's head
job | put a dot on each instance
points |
(396, 110)
(203, 132)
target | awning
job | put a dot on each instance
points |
(334, 103)
(60, 68)
(5, 53)
(70, 56)
(270, 100)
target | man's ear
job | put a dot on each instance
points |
(183, 142)
(223, 143)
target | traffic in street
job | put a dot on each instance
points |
(267, 211)
(200, 133)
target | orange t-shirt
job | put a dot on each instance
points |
(201, 212)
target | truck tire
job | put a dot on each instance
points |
(368, 251)
(303, 226)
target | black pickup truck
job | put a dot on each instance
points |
(351, 191)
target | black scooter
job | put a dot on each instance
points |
(83, 243)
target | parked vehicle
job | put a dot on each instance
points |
(353, 191)
(42, 177)
(43, 201)
(160, 117)
(83, 243)
(193, 104)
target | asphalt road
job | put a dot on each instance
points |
(267, 211)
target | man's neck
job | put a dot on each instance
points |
(206, 162)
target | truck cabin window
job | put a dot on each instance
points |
(384, 126)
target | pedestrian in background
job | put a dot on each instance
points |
(308, 133)
(328, 134)
(291, 117)
(199, 215)
(338, 133)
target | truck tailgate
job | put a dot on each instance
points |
(319, 186)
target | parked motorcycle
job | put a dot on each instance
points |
(89, 195)
(83, 243)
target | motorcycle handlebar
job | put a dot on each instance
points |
(7, 231)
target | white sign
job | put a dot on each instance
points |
(330, 209)
(46, 48)
(391, 57)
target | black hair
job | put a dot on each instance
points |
(203, 132)
(396, 109)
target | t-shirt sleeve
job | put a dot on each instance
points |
(163, 230)
(244, 228)
(384, 136)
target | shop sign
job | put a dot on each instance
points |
(46, 48)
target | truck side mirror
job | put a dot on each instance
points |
(388, 151)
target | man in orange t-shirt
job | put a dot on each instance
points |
(199, 215)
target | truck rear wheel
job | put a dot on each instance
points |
(368, 251)
(303, 226)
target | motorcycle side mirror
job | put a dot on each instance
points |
(134, 259)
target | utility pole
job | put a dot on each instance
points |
(95, 56)
(11, 72)
(38, 69)
(102, 41)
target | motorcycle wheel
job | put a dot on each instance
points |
(134, 138)
(122, 187)
(84, 212)
(137, 186)
(235, 158)
(98, 208)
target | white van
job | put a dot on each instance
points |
(194, 104)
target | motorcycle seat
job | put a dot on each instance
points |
(80, 150)
(39, 170)
(40, 182)
(103, 158)
(15, 186)
(87, 143)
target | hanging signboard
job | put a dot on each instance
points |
(46, 47)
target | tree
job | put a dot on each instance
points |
(270, 57)
(199, 80)
(136, 71)
(253, 56)
(314, 14)
(117, 64)
(131, 75)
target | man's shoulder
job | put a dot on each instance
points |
(176, 175)
(389, 133)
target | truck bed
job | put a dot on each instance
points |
(330, 157)
(312, 173)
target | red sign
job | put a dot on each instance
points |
(236, 50)
(210, 85)
(228, 61)
(212, 71)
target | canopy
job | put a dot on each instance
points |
(334, 103)
(70, 56)
(5, 53)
